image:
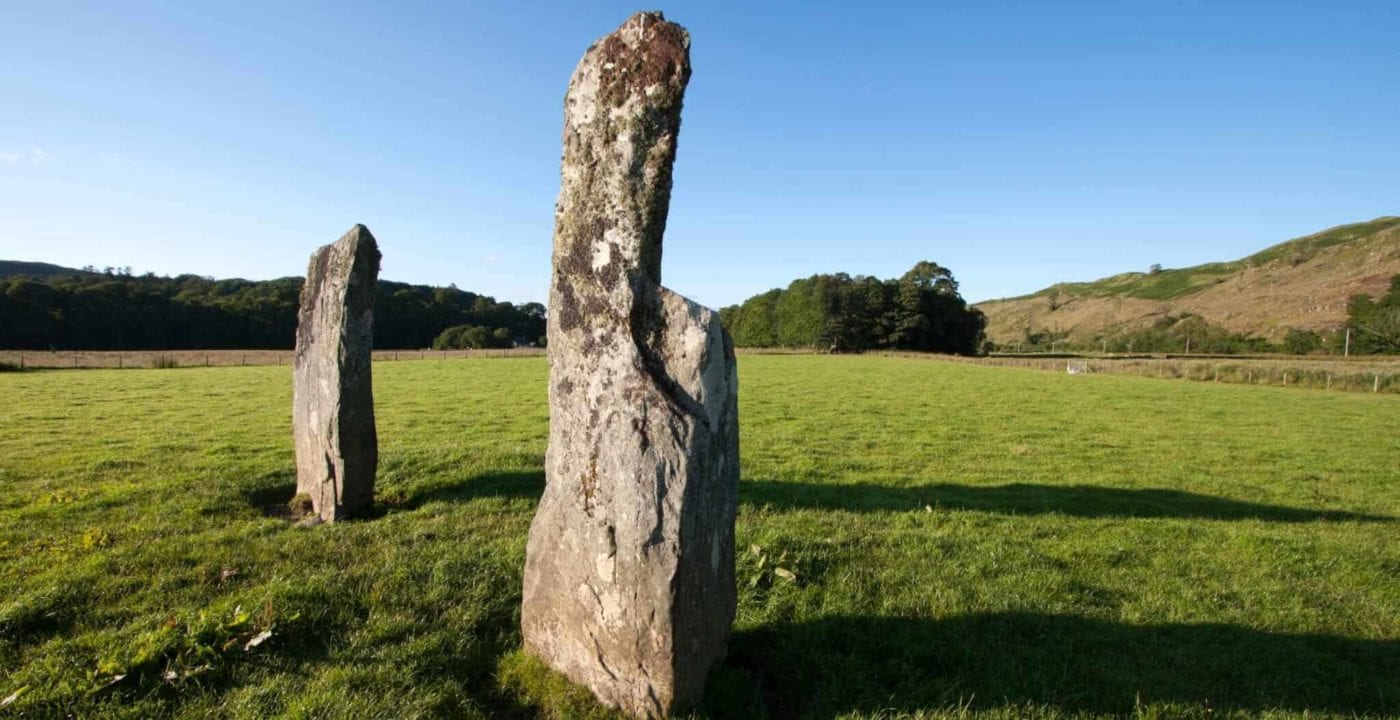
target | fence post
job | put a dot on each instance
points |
(1285, 379)
(1376, 386)
(120, 363)
(1329, 381)
(21, 360)
(206, 359)
(75, 359)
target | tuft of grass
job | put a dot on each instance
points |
(300, 505)
(954, 540)
(529, 683)
(164, 362)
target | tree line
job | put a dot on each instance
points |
(922, 310)
(115, 310)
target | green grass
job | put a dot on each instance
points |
(1310, 245)
(1162, 285)
(965, 541)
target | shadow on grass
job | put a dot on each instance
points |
(272, 494)
(275, 495)
(839, 665)
(526, 484)
(1015, 499)
(1025, 499)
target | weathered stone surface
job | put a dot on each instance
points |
(629, 576)
(337, 447)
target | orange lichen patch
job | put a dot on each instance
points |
(660, 57)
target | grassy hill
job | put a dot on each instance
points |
(40, 270)
(1301, 283)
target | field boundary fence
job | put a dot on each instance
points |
(1380, 375)
(1375, 374)
(1368, 374)
(166, 359)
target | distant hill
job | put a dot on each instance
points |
(40, 270)
(1302, 283)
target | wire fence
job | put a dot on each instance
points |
(1368, 374)
(30, 359)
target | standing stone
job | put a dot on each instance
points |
(629, 571)
(332, 400)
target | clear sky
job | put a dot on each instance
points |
(1019, 144)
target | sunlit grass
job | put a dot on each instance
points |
(916, 538)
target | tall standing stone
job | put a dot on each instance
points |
(332, 401)
(629, 571)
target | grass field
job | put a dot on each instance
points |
(1372, 373)
(956, 540)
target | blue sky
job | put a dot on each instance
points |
(1019, 144)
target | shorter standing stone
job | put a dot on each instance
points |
(337, 448)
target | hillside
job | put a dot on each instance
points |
(39, 270)
(1301, 283)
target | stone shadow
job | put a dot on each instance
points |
(850, 664)
(272, 494)
(1086, 501)
(523, 484)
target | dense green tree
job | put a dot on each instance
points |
(473, 337)
(1375, 322)
(920, 311)
(801, 312)
(930, 315)
(863, 318)
(755, 320)
(1301, 342)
